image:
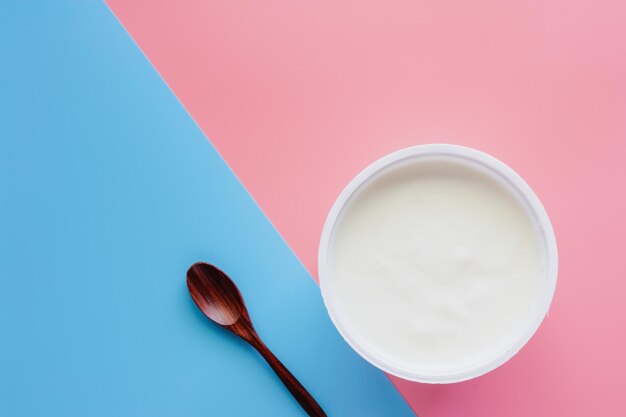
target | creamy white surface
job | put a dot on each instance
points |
(435, 265)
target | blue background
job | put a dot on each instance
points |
(108, 192)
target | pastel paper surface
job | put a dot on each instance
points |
(109, 192)
(300, 96)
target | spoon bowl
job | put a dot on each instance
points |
(215, 294)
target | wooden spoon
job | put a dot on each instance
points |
(217, 296)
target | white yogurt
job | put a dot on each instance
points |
(437, 266)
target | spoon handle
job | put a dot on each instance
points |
(303, 397)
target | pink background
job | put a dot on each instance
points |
(300, 96)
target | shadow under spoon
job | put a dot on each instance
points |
(217, 296)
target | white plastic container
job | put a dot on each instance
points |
(501, 173)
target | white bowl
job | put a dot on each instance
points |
(526, 197)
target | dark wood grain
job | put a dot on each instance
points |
(217, 296)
